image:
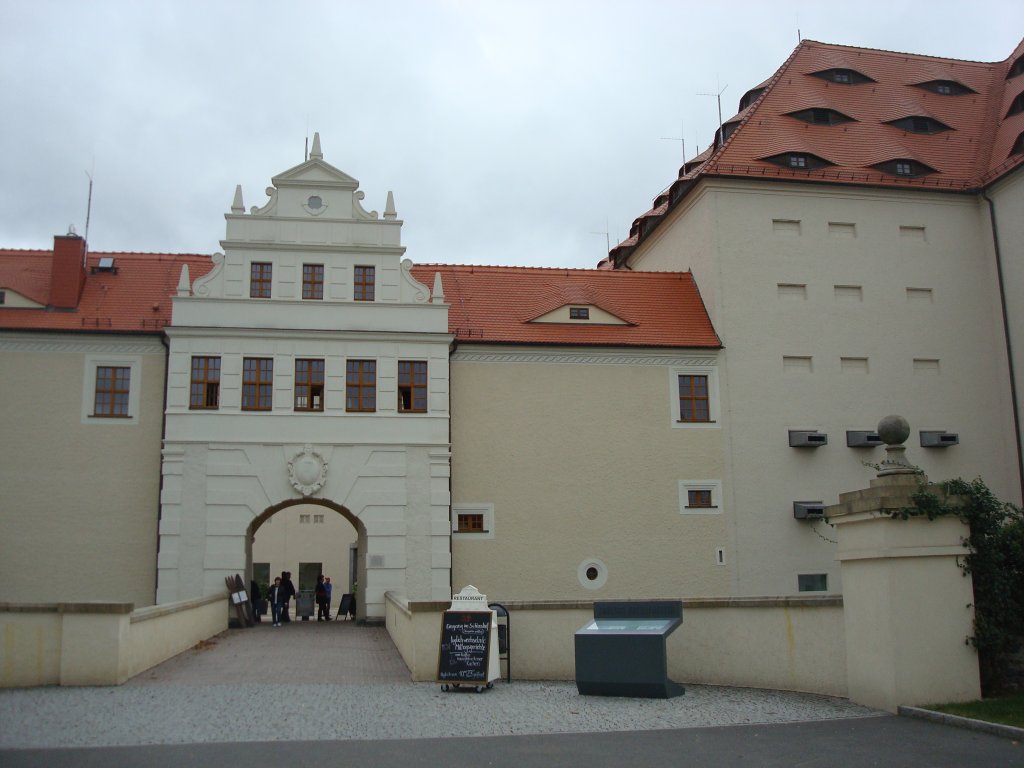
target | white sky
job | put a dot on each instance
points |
(510, 132)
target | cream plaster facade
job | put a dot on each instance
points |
(837, 306)
(227, 470)
(80, 492)
(578, 455)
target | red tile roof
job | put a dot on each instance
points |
(137, 299)
(497, 304)
(972, 155)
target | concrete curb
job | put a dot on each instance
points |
(996, 729)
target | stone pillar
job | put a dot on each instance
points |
(907, 605)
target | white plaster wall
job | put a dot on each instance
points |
(855, 264)
(579, 456)
(80, 495)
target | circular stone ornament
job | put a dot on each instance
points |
(307, 471)
(894, 430)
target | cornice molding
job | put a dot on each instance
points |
(94, 346)
(582, 358)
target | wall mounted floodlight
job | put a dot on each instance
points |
(807, 438)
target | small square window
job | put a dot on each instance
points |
(798, 161)
(318, 519)
(812, 582)
(579, 313)
(473, 521)
(303, 519)
(904, 168)
(3, 297)
(699, 498)
(470, 522)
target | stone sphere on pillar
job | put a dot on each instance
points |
(894, 430)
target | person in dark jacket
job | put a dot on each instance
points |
(320, 592)
(277, 601)
(289, 593)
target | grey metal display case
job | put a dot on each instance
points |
(622, 651)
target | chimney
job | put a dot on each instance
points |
(67, 273)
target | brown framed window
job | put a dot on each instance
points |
(312, 281)
(361, 385)
(204, 393)
(412, 387)
(363, 283)
(699, 498)
(579, 313)
(693, 398)
(112, 388)
(470, 522)
(260, 274)
(309, 385)
(257, 383)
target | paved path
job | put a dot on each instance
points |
(338, 694)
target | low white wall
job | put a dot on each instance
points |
(161, 631)
(792, 643)
(98, 643)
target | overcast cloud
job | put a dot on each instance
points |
(509, 132)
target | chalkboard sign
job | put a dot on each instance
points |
(465, 647)
(346, 606)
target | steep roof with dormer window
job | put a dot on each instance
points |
(912, 122)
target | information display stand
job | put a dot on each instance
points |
(622, 651)
(468, 651)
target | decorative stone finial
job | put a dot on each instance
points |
(437, 295)
(316, 153)
(894, 430)
(237, 206)
(184, 286)
(389, 208)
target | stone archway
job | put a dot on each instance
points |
(344, 580)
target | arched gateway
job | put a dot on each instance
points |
(308, 365)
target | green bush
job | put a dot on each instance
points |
(995, 561)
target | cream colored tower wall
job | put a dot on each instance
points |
(578, 456)
(1008, 199)
(80, 493)
(837, 307)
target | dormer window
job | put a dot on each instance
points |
(919, 124)
(842, 76)
(750, 97)
(821, 116)
(579, 313)
(797, 161)
(946, 87)
(1016, 69)
(1016, 106)
(904, 168)
(1016, 149)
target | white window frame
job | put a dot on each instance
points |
(715, 486)
(487, 510)
(92, 362)
(711, 371)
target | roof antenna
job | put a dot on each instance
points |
(681, 138)
(719, 97)
(607, 237)
(798, 38)
(88, 213)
